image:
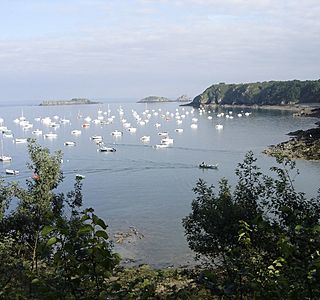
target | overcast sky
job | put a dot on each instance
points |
(60, 49)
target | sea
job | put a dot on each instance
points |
(144, 192)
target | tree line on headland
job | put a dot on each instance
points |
(261, 93)
(258, 240)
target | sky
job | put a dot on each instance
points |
(60, 49)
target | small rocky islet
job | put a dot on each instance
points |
(73, 101)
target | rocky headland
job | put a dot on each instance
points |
(74, 101)
(259, 94)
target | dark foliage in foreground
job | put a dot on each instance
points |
(263, 235)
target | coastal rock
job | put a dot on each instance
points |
(304, 144)
(183, 98)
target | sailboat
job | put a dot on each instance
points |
(4, 158)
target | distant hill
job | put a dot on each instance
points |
(74, 101)
(261, 93)
(156, 99)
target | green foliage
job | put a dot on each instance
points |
(262, 93)
(146, 283)
(49, 246)
(263, 236)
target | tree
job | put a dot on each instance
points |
(50, 246)
(263, 236)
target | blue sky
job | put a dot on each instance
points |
(134, 48)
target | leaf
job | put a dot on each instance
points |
(98, 221)
(86, 228)
(46, 230)
(35, 281)
(52, 241)
(85, 218)
(102, 234)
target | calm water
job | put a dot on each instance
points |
(148, 188)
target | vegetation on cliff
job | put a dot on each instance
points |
(261, 93)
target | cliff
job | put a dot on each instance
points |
(261, 93)
(74, 101)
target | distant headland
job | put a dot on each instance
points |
(158, 99)
(267, 93)
(74, 101)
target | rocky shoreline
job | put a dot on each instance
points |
(304, 144)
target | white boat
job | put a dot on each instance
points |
(164, 133)
(37, 132)
(219, 126)
(69, 143)
(132, 129)
(206, 166)
(158, 146)
(179, 130)
(145, 138)
(194, 126)
(80, 176)
(76, 132)
(12, 172)
(116, 133)
(167, 140)
(20, 141)
(106, 149)
(96, 137)
(3, 157)
(50, 135)
(64, 121)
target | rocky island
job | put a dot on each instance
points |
(158, 99)
(74, 101)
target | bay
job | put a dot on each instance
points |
(146, 188)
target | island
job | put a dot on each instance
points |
(73, 101)
(257, 94)
(159, 99)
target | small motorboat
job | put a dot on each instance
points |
(206, 166)
(5, 158)
(145, 139)
(50, 135)
(12, 172)
(80, 176)
(116, 133)
(106, 149)
(76, 132)
(69, 143)
(20, 141)
(158, 146)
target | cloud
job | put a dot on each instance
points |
(164, 46)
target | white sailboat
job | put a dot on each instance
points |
(3, 157)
